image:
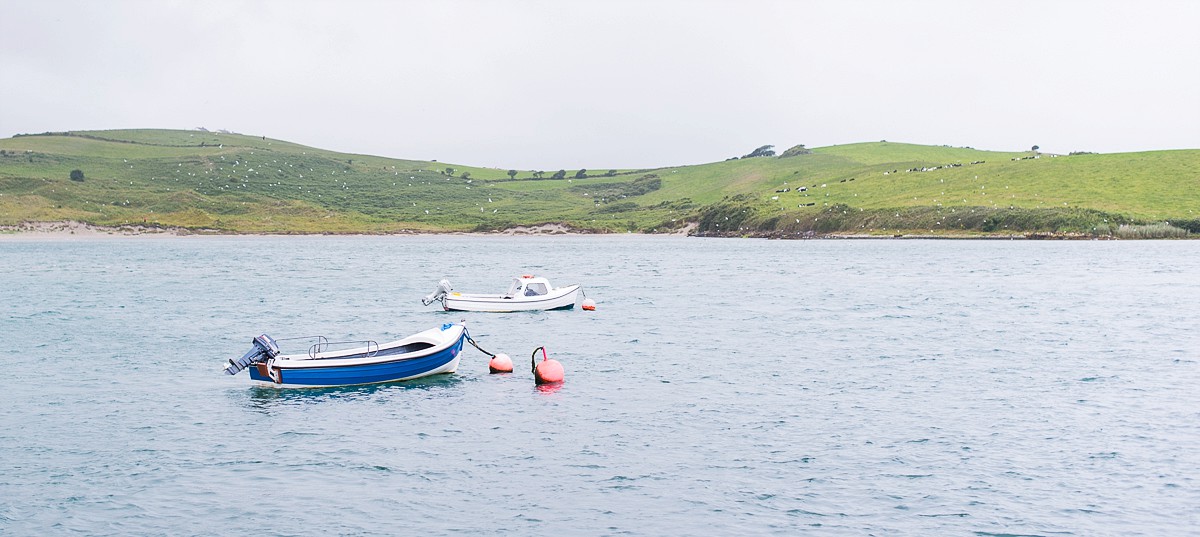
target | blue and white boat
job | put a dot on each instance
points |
(432, 352)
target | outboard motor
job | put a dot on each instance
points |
(443, 289)
(264, 349)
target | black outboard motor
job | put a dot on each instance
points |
(264, 349)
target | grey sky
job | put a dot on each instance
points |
(607, 84)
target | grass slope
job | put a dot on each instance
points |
(237, 183)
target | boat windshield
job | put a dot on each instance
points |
(514, 288)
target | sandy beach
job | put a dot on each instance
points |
(79, 230)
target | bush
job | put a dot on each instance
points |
(796, 150)
(1161, 230)
(1193, 225)
(77, 175)
(622, 207)
(612, 191)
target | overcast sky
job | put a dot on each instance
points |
(611, 84)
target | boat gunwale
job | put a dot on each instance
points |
(302, 361)
(554, 294)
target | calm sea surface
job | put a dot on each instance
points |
(722, 387)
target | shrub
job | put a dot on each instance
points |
(624, 206)
(642, 185)
(1161, 230)
(1192, 226)
(796, 150)
(77, 175)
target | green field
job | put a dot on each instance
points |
(232, 183)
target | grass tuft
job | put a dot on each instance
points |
(1161, 230)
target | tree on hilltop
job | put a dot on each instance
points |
(559, 174)
(512, 174)
(764, 151)
(796, 150)
(581, 174)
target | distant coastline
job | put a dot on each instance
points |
(68, 230)
(161, 182)
(73, 230)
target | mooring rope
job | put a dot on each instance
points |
(476, 345)
(533, 359)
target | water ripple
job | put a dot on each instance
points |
(852, 387)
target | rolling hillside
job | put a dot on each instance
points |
(233, 183)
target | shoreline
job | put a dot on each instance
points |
(75, 230)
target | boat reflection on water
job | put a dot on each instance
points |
(267, 397)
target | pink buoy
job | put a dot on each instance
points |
(548, 371)
(589, 305)
(500, 363)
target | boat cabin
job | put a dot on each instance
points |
(528, 285)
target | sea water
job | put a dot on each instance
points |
(722, 387)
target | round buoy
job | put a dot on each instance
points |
(589, 304)
(500, 363)
(547, 371)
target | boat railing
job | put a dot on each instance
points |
(321, 341)
(324, 346)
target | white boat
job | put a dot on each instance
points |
(526, 293)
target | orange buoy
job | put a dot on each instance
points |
(548, 371)
(500, 363)
(589, 305)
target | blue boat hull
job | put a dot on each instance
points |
(310, 374)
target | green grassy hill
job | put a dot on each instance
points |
(233, 183)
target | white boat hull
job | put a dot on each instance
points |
(557, 298)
